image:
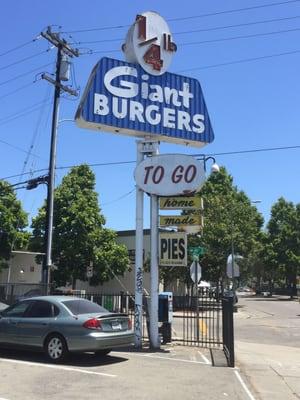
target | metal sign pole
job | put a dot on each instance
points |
(154, 279)
(154, 276)
(138, 302)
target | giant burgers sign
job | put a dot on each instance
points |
(138, 97)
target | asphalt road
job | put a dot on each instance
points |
(274, 320)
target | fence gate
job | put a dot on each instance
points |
(197, 320)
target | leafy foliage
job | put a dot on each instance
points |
(283, 241)
(79, 236)
(13, 221)
(230, 220)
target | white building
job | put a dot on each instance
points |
(22, 268)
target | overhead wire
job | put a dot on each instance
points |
(243, 60)
(232, 10)
(190, 17)
(24, 59)
(17, 90)
(202, 29)
(118, 198)
(208, 40)
(24, 111)
(17, 148)
(19, 46)
(25, 73)
(235, 152)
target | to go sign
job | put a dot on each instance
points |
(170, 175)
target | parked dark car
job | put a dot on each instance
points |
(58, 325)
(30, 293)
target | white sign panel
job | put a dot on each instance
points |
(195, 268)
(173, 249)
(170, 175)
(232, 267)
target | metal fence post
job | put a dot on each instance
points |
(228, 330)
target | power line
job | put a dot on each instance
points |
(19, 47)
(190, 17)
(24, 59)
(243, 60)
(18, 148)
(266, 149)
(25, 73)
(118, 199)
(17, 90)
(21, 111)
(240, 37)
(203, 29)
(211, 40)
(233, 10)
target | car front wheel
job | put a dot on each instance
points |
(56, 348)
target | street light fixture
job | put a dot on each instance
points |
(214, 168)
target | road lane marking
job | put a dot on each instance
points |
(83, 371)
(204, 358)
(2, 398)
(251, 397)
(163, 358)
(203, 327)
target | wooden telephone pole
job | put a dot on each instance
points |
(64, 51)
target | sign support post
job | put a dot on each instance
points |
(138, 302)
(154, 275)
(154, 279)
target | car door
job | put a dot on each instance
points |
(9, 321)
(36, 322)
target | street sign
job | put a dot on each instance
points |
(172, 249)
(180, 203)
(196, 251)
(121, 97)
(195, 271)
(170, 174)
(232, 268)
(89, 271)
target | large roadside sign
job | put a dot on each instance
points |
(121, 97)
(172, 249)
(170, 174)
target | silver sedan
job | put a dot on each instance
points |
(61, 324)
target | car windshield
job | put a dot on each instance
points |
(79, 306)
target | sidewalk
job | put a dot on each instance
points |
(273, 371)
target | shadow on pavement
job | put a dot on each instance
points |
(270, 299)
(74, 360)
(144, 349)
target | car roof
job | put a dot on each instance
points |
(57, 299)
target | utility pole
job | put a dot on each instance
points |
(64, 50)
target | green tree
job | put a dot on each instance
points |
(283, 250)
(79, 235)
(229, 218)
(13, 221)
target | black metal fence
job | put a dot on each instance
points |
(198, 319)
(205, 319)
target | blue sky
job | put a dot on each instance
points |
(252, 105)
